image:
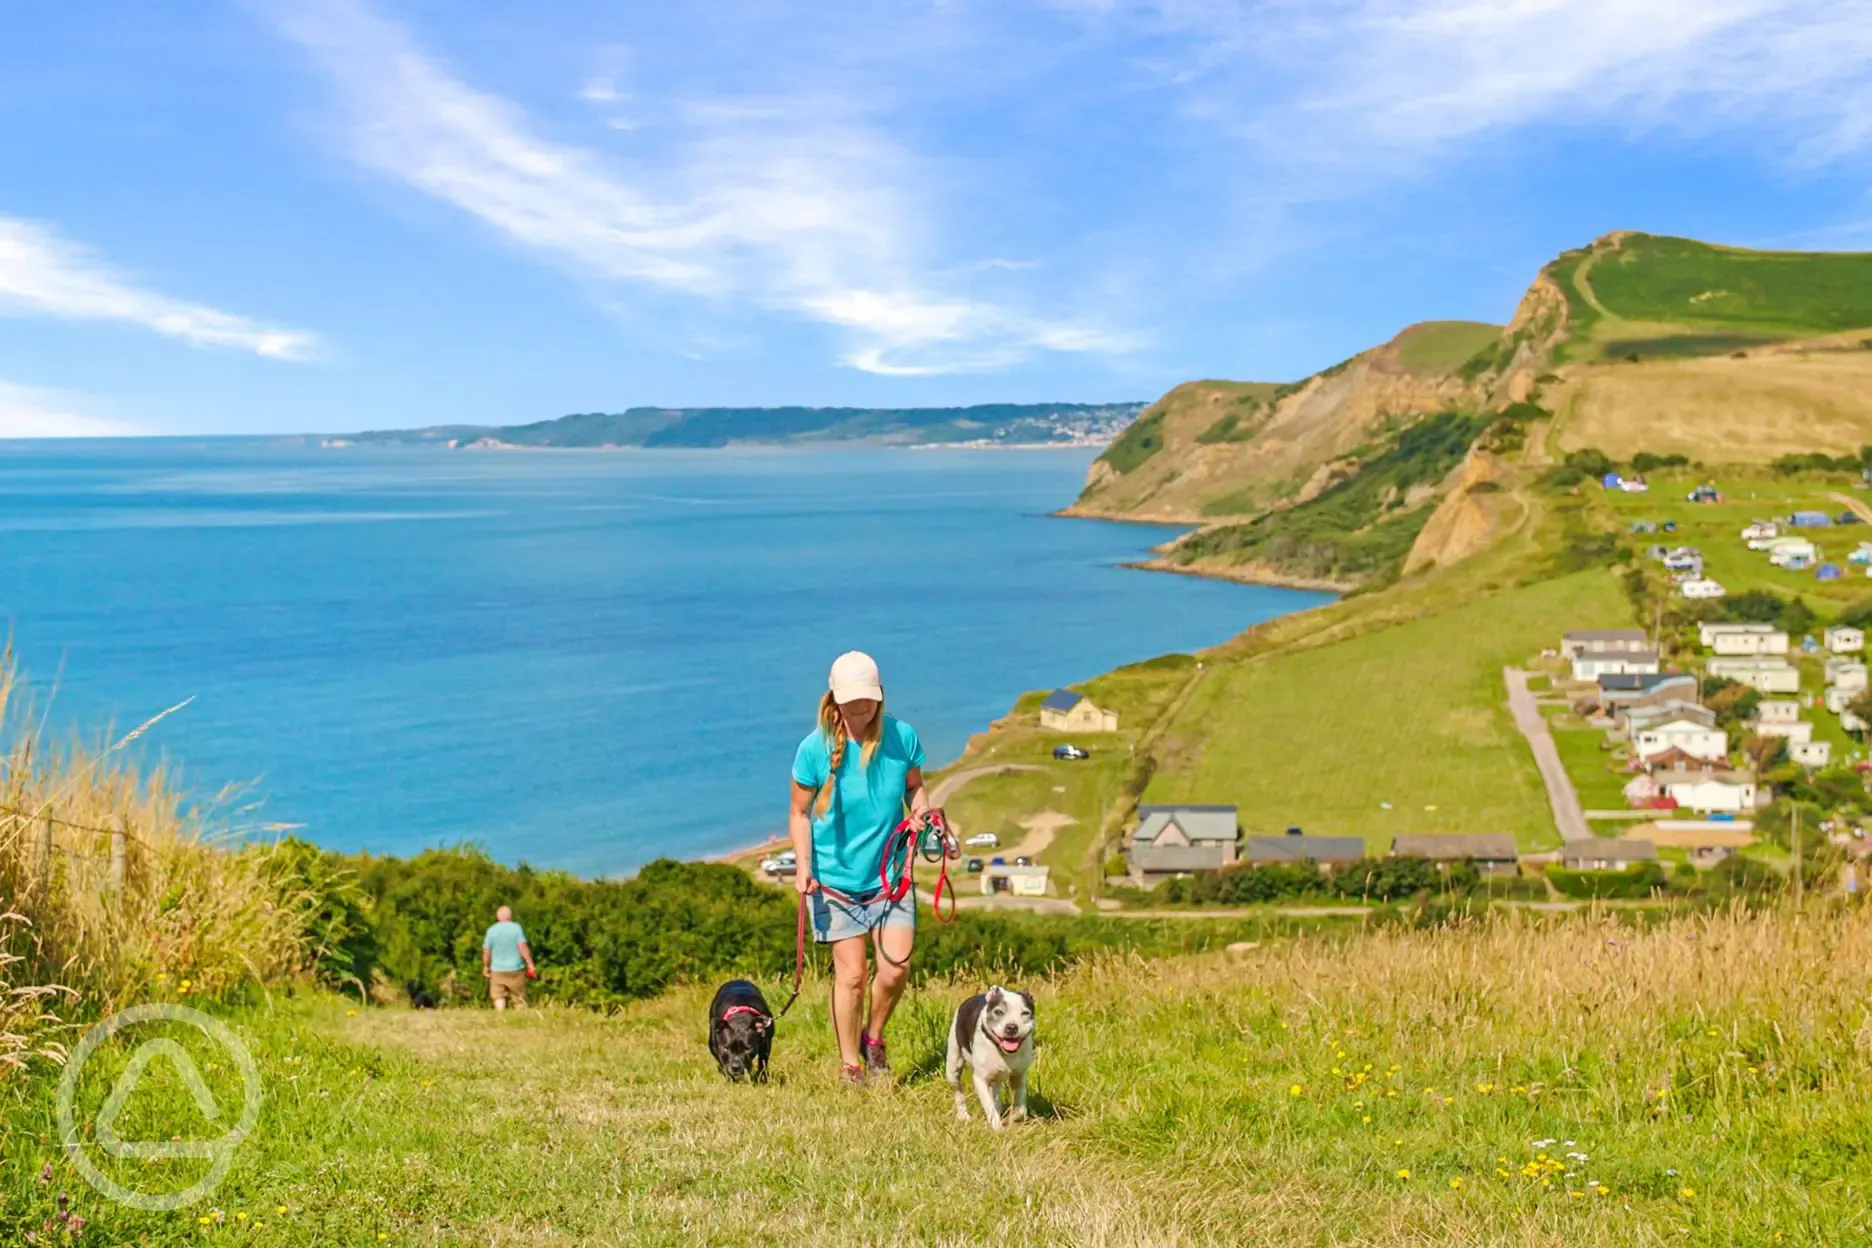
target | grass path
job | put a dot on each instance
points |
(1551, 1080)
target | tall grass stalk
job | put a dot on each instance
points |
(107, 887)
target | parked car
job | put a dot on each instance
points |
(997, 861)
(1069, 753)
(982, 840)
(781, 864)
(1023, 861)
(974, 866)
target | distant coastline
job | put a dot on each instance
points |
(983, 426)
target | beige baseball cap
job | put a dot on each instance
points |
(855, 676)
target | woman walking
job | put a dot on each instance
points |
(853, 776)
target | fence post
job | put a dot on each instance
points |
(118, 850)
(45, 856)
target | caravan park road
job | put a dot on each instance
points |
(1568, 816)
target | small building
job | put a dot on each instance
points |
(1705, 844)
(1851, 722)
(1179, 840)
(1810, 520)
(1767, 675)
(1639, 689)
(1793, 732)
(1603, 641)
(1742, 638)
(1777, 711)
(1492, 853)
(1602, 853)
(1730, 792)
(1325, 851)
(1847, 674)
(1016, 881)
(1837, 699)
(1702, 587)
(1760, 531)
(1592, 664)
(1639, 717)
(1687, 736)
(1066, 711)
(1684, 559)
(1844, 639)
(1812, 753)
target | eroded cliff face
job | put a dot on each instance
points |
(1468, 519)
(1231, 451)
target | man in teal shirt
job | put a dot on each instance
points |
(506, 961)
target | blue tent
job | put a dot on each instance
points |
(1828, 572)
(1611, 481)
(1810, 519)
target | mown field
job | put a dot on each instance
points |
(1576, 1082)
(1413, 716)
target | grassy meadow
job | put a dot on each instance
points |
(1575, 1082)
(1715, 529)
(1413, 715)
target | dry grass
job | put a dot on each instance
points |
(1721, 410)
(111, 888)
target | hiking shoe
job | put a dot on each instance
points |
(851, 1076)
(876, 1060)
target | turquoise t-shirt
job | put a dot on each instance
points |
(505, 940)
(848, 840)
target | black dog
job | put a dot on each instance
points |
(741, 1031)
(420, 997)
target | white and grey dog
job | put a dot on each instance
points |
(993, 1037)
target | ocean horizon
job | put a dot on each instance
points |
(579, 661)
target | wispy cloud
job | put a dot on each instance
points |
(30, 413)
(42, 274)
(787, 205)
(1384, 84)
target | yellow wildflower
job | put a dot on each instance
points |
(1403, 1172)
(1296, 1090)
(1456, 1184)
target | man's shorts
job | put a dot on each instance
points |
(507, 986)
(834, 920)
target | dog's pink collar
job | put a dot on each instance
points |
(733, 1010)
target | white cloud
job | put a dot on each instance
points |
(29, 413)
(783, 205)
(42, 274)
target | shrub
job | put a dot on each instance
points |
(1645, 461)
(1141, 440)
(1634, 883)
(1815, 461)
(1589, 462)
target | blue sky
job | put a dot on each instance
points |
(340, 214)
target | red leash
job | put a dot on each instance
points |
(900, 848)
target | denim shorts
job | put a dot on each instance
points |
(834, 920)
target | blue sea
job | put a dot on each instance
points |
(577, 660)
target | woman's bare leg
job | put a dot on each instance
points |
(893, 973)
(848, 984)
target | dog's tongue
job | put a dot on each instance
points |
(1009, 1044)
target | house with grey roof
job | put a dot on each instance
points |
(1325, 851)
(1581, 640)
(1066, 711)
(1181, 840)
(1492, 853)
(1603, 853)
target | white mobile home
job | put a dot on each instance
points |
(1712, 791)
(1742, 639)
(1694, 739)
(1592, 664)
(1845, 639)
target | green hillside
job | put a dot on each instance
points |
(1648, 296)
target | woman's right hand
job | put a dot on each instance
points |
(804, 882)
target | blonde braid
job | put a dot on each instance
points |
(834, 733)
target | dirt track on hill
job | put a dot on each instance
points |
(1568, 816)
